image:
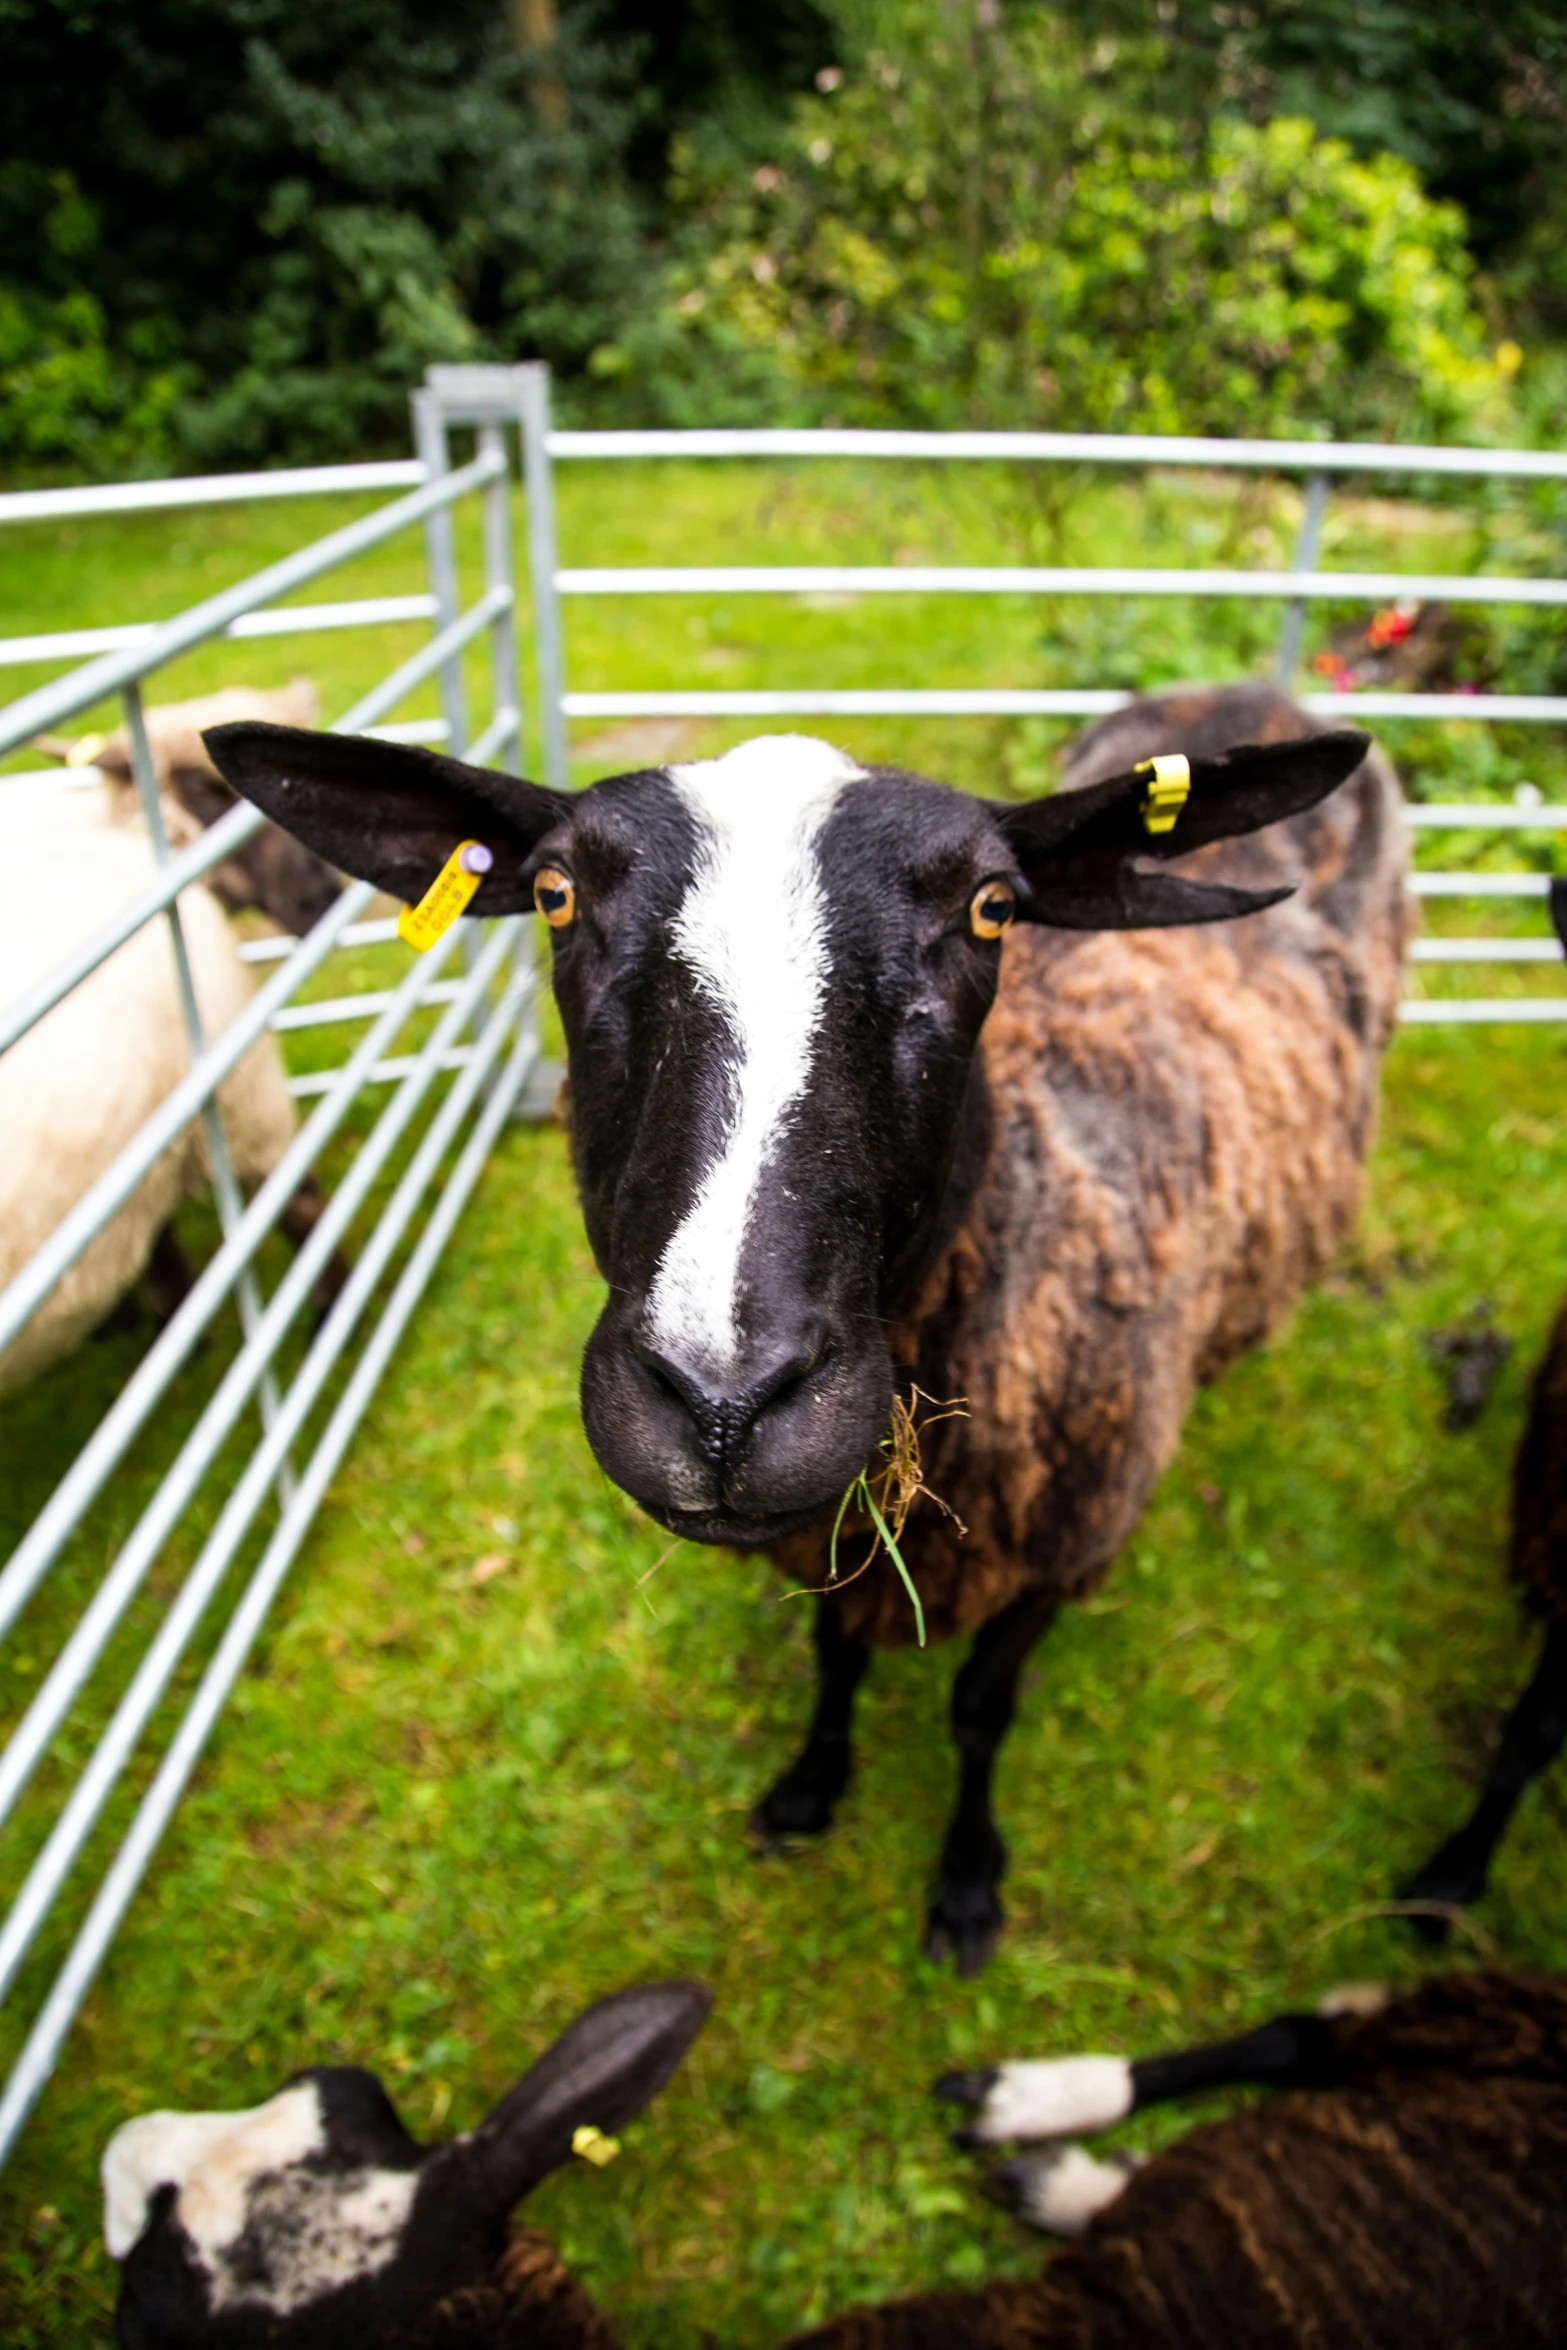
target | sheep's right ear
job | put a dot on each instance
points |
(601, 2071)
(1559, 908)
(389, 813)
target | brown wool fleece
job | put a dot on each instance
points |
(1172, 1127)
(1425, 2201)
(533, 2302)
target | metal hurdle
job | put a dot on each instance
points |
(449, 1098)
(1319, 463)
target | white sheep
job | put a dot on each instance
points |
(78, 1085)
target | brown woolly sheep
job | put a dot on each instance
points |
(1412, 2189)
(812, 1169)
(1536, 1728)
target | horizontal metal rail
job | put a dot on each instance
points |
(75, 644)
(1073, 448)
(1486, 816)
(42, 711)
(209, 489)
(383, 1073)
(42, 2047)
(1479, 885)
(358, 934)
(1023, 702)
(1434, 1011)
(916, 579)
(329, 1011)
(1486, 950)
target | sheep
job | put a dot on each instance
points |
(1412, 2187)
(814, 1173)
(1455, 1876)
(315, 2222)
(268, 870)
(79, 1084)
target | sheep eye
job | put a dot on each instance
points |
(555, 895)
(991, 908)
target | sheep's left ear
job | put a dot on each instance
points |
(390, 813)
(1559, 909)
(601, 2071)
(1079, 851)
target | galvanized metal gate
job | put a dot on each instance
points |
(1319, 464)
(446, 1102)
(449, 1096)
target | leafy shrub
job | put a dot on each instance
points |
(994, 230)
(303, 207)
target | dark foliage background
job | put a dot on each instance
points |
(235, 231)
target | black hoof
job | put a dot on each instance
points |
(966, 2088)
(1449, 1884)
(965, 1919)
(803, 1801)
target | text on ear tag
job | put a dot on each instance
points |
(1170, 779)
(447, 896)
(594, 2146)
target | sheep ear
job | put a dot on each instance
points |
(1078, 851)
(388, 812)
(1559, 908)
(601, 2071)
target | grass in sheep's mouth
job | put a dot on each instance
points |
(902, 1483)
(442, 1811)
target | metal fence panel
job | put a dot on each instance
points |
(1319, 463)
(470, 1068)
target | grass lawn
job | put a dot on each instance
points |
(440, 1815)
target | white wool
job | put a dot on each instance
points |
(1064, 2190)
(752, 930)
(210, 2157)
(76, 1088)
(1053, 2098)
(319, 2228)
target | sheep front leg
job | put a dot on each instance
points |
(801, 1803)
(1535, 1733)
(965, 1907)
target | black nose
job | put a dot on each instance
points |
(725, 1412)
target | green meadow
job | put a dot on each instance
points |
(447, 1808)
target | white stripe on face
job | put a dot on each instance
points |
(752, 931)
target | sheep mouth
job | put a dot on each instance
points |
(727, 1530)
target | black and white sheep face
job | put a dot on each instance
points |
(772, 969)
(771, 992)
(315, 2220)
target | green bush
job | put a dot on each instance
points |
(992, 229)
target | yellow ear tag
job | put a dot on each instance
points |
(447, 896)
(1170, 779)
(593, 2146)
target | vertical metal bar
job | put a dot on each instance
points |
(1306, 550)
(225, 1185)
(440, 546)
(505, 681)
(533, 404)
